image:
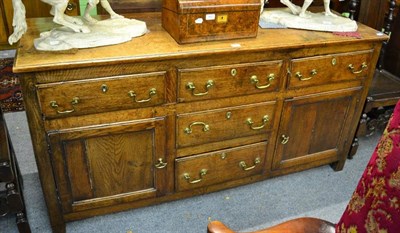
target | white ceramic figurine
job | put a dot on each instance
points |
(105, 4)
(301, 11)
(57, 10)
(76, 33)
(298, 17)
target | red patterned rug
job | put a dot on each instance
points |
(10, 88)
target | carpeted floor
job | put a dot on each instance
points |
(319, 192)
(10, 89)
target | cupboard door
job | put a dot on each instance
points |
(314, 128)
(100, 166)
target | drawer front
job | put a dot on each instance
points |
(220, 166)
(104, 94)
(222, 124)
(226, 81)
(329, 69)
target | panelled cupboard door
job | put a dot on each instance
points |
(313, 128)
(101, 166)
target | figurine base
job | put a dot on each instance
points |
(102, 33)
(315, 21)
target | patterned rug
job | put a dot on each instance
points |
(10, 88)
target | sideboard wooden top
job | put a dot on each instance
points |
(157, 45)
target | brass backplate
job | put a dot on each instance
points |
(222, 18)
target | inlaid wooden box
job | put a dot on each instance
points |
(195, 21)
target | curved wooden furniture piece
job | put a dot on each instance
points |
(298, 225)
(385, 87)
(11, 198)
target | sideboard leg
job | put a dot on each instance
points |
(60, 228)
(337, 166)
(39, 142)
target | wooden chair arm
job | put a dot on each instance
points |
(299, 225)
(218, 227)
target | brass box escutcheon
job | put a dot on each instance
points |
(222, 18)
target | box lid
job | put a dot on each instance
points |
(200, 6)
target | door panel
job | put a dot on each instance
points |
(313, 127)
(102, 165)
(115, 169)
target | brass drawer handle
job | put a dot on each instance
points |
(364, 66)
(312, 74)
(202, 173)
(285, 139)
(243, 164)
(152, 92)
(189, 130)
(250, 122)
(192, 87)
(160, 164)
(255, 81)
(55, 105)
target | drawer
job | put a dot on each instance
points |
(103, 94)
(222, 124)
(226, 81)
(329, 69)
(220, 166)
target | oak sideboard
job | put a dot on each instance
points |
(149, 121)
